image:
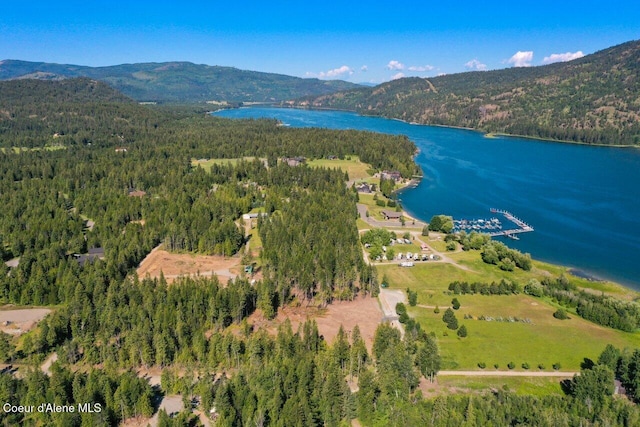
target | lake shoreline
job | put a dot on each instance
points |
(485, 133)
(570, 203)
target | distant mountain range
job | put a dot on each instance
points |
(594, 99)
(181, 81)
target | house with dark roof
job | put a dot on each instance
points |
(393, 175)
(91, 255)
(294, 161)
(389, 215)
(364, 188)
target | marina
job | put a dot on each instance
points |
(493, 226)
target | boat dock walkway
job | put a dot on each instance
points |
(523, 227)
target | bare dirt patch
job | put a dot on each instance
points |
(177, 265)
(362, 311)
(19, 321)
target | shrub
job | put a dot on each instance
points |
(412, 296)
(525, 365)
(462, 332)
(495, 365)
(541, 366)
(451, 246)
(560, 314)
(455, 303)
(482, 365)
(511, 365)
(450, 319)
(557, 366)
(534, 288)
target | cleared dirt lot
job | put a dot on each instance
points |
(363, 311)
(176, 265)
(19, 321)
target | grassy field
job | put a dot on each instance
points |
(207, 163)
(375, 211)
(353, 166)
(45, 148)
(519, 385)
(545, 340)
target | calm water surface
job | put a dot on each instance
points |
(584, 202)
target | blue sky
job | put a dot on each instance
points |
(370, 41)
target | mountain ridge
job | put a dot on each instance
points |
(180, 81)
(594, 99)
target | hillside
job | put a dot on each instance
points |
(36, 113)
(181, 81)
(594, 99)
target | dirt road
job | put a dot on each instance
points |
(388, 300)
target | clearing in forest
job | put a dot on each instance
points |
(19, 321)
(362, 311)
(174, 265)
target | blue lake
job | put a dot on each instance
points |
(583, 201)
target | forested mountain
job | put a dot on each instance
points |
(36, 113)
(180, 81)
(594, 99)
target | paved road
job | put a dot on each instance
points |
(559, 374)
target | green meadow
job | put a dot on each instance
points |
(353, 166)
(536, 386)
(534, 337)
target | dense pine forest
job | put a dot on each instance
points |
(129, 190)
(593, 99)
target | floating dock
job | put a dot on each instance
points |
(523, 227)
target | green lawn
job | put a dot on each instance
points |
(540, 386)
(45, 148)
(354, 167)
(545, 340)
(375, 211)
(207, 163)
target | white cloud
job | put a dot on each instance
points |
(395, 65)
(364, 68)
(336, 72)
(474, 64)
(562, 57)
(339, 71)
(421, 68)
(397, 76)
(521, 59)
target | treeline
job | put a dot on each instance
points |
(311, 243)
(601, 309)
(111, 397)
(133, 323)
(295, 379)
(504, 287)
(497, 253)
